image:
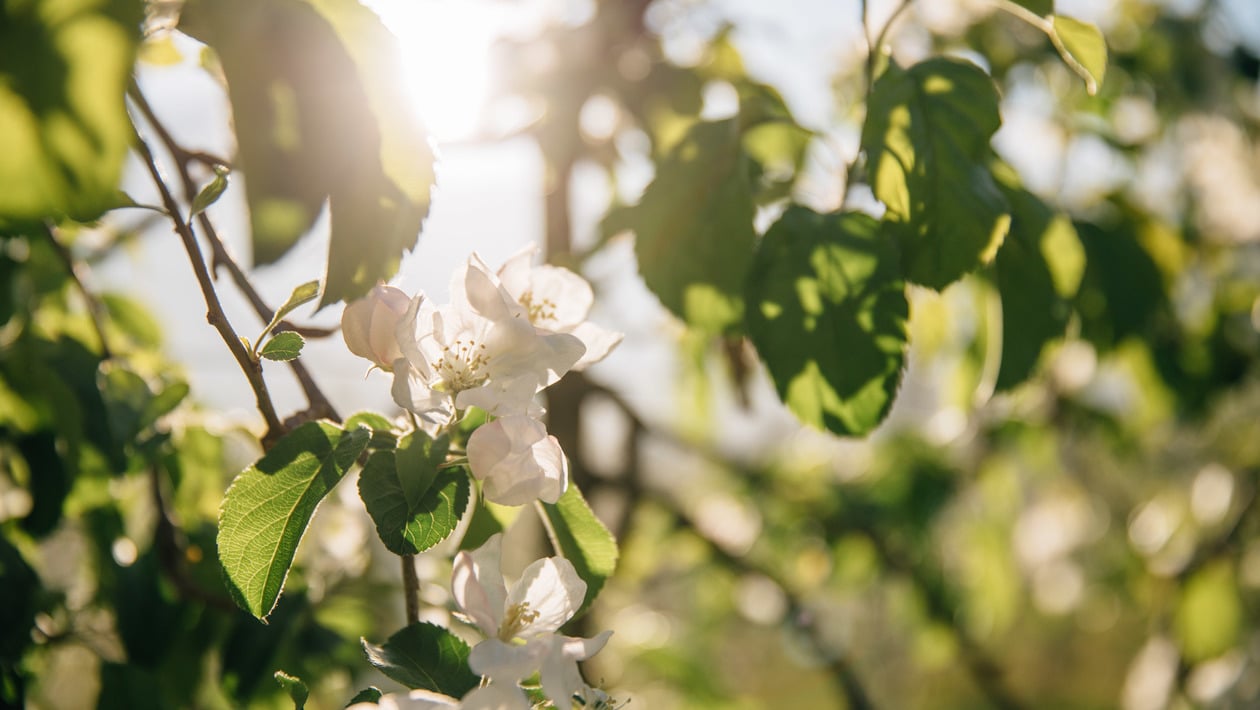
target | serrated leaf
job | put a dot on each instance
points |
(827, 311)
(268, 506)
(926, 139)
(64, 129)
(424, 656)
(417, 458)
(694, 226)
(408, 529)
(1083, 49)
(209, 194)
(283, 347)
(382, 429)
(1035, 306)
(582, 539)
(321, 114)
(304, 293)
(297, 690)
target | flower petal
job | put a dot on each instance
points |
(517, 461)
(505, 662)
(561, 679)
(496, 696)
(477, 585)
(598, 341)
(552, 588)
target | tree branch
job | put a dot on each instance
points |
(318, 403)
(77, 272)
(411, 588)
(214, 309)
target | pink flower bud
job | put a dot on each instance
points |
(368, 325)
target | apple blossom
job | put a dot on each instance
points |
(480, 350)
(557, 301)
(521, 623)
(368, 325)
(517, 461)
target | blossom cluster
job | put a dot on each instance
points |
(503, 338)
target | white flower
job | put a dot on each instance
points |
(547, 595)
(518, 461)
(480, 350)
(557, 301)
(495, 696)
(415, 700)
(368, 325)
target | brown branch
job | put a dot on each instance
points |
(78, 274)
(318, 403)
(214, 309)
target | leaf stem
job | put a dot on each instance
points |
(214, 313)
(411, 588)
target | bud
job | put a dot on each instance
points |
(368, 325)
(518, 461)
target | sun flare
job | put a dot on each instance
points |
(445, 48)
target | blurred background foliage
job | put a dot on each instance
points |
(1059, 511)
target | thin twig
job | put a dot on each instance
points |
(319, 405)
(214, 309)
(411, 588)
(77, 272)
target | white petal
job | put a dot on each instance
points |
(483, 294)
(477, 585)
(517, 461)
(505, 662)
(413, 393)
(561, 353)
(552, 588)
(504, 396)
(496, 696)
(598, 341)
(567, 296)
(561, 679)
(415, 700)
(514, 274)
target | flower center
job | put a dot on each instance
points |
(542, 310)
(517, 618)
(461, 365)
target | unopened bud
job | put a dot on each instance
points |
(368, 325)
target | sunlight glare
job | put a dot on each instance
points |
(445, 47)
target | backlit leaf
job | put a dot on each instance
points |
(285, 346)
(582, 539)
(926, 139)
(1083, 49)
(408, 528)
(827, 311)
(267, 508)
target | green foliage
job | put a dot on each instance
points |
(693, 227)
(582, 539)
(319, 116)
(296, 688)
(1038, 270)
(424, 656)
(268, 506)
(827, 312)
(209, 194)
(283, 347)
(1209, 613)
(64, 130)
(302, 293)
(1083, 49)
(926, 139)
(409, 525)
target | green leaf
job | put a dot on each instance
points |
(405, 528)
(694, 226)
(1082, 47)
(304, 293)
(321, 114)
(1039, 7)
(582, 539)
(1035, 307)
(283, 347)
(64, 129)
(49, 483)
(827, 312)
(424, 656)
(267, 508)
(296, 688)
(370, 694)
(381, 427)
(926, 139)
(209, 194)
(417, 458)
